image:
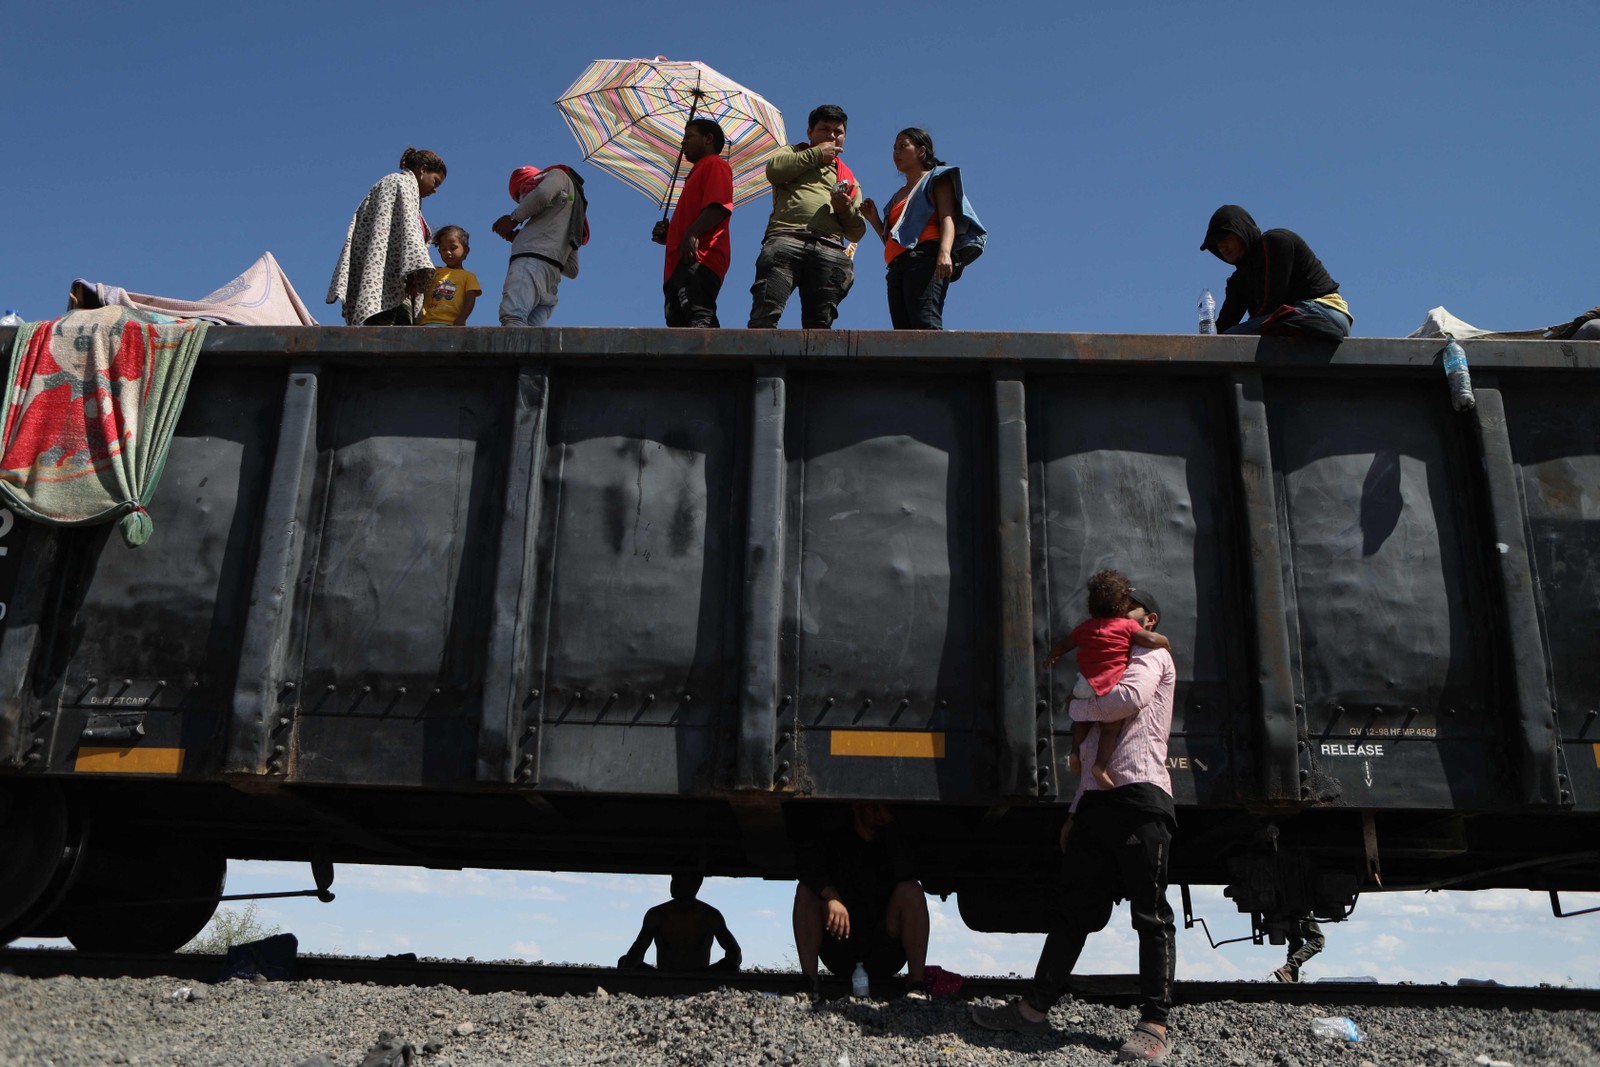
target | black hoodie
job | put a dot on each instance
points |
(1278, 267)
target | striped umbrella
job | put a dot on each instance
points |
(629, 114)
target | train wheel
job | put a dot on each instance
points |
(43, 837)
(146, 899)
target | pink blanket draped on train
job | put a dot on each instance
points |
(90, 404)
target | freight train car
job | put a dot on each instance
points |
(636, 600)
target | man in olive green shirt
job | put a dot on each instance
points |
(816, 209)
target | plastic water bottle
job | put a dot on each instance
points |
(858, 982)
(1336, 1028)
(11, 318)
(1208, 312)
(1455, 372)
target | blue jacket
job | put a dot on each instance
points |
(970, 234)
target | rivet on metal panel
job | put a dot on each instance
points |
(524, 774)
(1304, 774)
(1338, 709)
(1043, 705)
(38, 742)
(1561, 778)
(527, 759)
(1449, 711)
(787, 699)
(783, 768)
(1594, 712)
(277, 750)
(366, 689)
(284, 722)
(614, 696)
(127, 682)
(866, 702)
(944, 703)
(1566, 797)
(288, 687)
(330, 687)
(1044, 773)
(1300, 709)
(437, 690)
(533, 694)
(687, 697)
(401, 691)
(580, 696)
(1377, 709)
(162, 684)
(904, 704)
(1044, 743)
(32, 757)
(530, 729)
(649, 698)
(826, 704)
(195, 684)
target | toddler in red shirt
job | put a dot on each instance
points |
(1103, 642)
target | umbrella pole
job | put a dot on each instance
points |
(693, 107)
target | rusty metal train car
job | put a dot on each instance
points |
(635, 600)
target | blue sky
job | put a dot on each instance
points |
(1430, 153)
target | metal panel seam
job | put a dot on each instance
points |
(1019, 773)
(763, 578)
(505, 664)
(1537, 741)
(1277, 725)
(262, 647)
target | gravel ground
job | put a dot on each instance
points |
(66, 1022)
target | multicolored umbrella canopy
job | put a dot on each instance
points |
(628, 115)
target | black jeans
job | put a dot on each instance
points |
(399, 315)
(1114, 851)
(916, 294)
(821, 271)
(691, 296)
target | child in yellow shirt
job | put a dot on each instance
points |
(453, 291)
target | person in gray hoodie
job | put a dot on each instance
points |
(548, 225)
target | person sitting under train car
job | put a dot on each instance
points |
(859, 901)
(683, 929)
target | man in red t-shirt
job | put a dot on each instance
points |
(697, 236)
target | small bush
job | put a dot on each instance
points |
(229, 927)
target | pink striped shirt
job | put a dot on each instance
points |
(1142, 702)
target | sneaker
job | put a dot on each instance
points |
(1008, 1016)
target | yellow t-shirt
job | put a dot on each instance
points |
(446, 295)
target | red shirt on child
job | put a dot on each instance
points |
(1103, 650)
(710, 182)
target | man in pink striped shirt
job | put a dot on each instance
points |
(1117, 842)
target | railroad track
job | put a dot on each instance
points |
(552, 980)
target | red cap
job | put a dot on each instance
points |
(522, 179)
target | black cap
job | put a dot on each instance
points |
(1145, 600)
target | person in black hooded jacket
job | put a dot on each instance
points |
(1277, 280)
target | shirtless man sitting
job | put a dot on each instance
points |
(682, 930)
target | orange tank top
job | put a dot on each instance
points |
(891, 247)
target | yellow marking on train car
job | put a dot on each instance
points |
(136, 760)
(1597, 755)
(913, 744)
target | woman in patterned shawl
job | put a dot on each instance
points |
(385, 267)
